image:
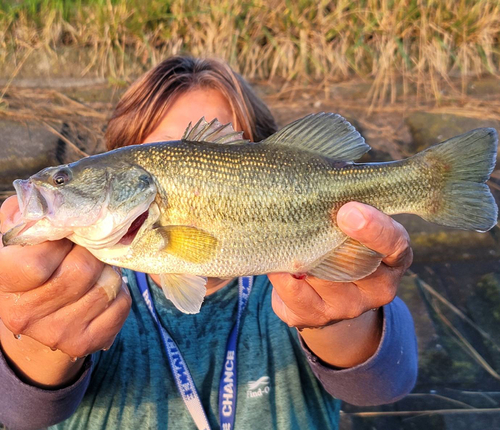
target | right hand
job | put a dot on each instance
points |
(57, 296)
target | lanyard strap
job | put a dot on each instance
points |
(182, 376)
(228, 385)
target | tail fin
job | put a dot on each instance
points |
(466, 200)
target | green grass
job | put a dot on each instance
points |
(403, 45)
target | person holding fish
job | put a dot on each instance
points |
(87, 347)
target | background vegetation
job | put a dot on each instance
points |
(438, 61)
(418, 46)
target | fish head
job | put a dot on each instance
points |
(68, 194)
(92, 201)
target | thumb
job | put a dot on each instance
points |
(375, 230)
(9, 214)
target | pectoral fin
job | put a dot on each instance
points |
(186, 292)
(348, 262)
(188, 243)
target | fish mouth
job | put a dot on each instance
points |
(129, 236)
(32, 204)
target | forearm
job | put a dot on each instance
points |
(25, 407)
(386, 376)
(36, 364)
(348, 342)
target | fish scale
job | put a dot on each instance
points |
(227, 207)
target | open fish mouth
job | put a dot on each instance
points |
(129, 236)
(32, 204)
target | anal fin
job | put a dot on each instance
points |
(186, 292)
(348, 262)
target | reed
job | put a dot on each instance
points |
(404, 46)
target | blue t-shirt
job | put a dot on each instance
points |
(132, 386)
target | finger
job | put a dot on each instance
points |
(376, 231)
(9, 214)
(351, 299)
(100, 297)
(69, 282)
(296, 302)
(281, 309)
(28, 267)
(103, 329)
(94, 288)
(68, 330)
(97, 300)
(296, 293)
(380, 287)
(343, 300)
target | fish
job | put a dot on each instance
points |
(213, 204)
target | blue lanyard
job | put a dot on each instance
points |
(228, 387)
(228, 382)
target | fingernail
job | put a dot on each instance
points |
(110, 282)
(354, 219)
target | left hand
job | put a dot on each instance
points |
(313, 302)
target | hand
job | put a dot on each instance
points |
(55, 295)
(313, 302)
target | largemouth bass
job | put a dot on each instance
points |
(215, 205)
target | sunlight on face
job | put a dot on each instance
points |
(190, 107)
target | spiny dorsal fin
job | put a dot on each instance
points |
(214, 132)
(327, 134)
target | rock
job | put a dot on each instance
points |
(351, 90)
(430, 128)
(28, 147)
(25, 148)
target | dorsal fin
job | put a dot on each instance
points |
(214, 132)
(327, 134)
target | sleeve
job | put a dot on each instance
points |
(387, 376)
(25, 407)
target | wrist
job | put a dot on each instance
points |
(35, 363)
(346, 343)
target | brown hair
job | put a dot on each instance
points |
(142, 107)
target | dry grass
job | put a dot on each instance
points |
(405, 46)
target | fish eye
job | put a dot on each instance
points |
(144, 179)
(61, 177)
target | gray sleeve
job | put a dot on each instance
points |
(388, 375)
(25, 407)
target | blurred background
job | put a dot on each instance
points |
(406, 73)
